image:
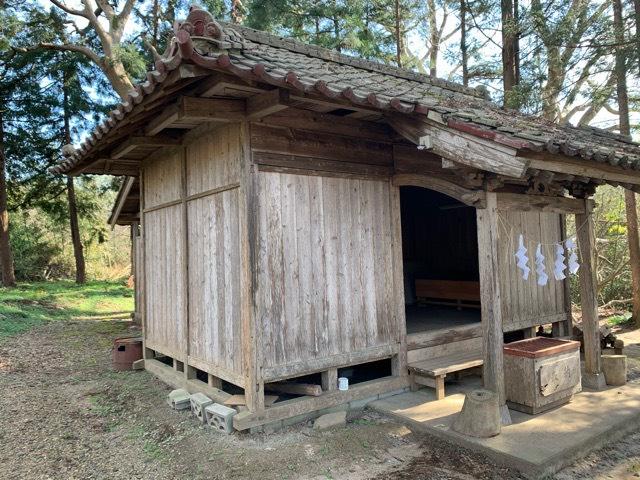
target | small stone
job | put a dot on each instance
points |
(330, 420)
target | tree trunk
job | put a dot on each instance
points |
(508, 53)
(6, 256)
(463, 42)
(434, 38)
(398, 34)
(625, 129)
(636, 14)
(78, 252)
(516, 42)
(117, 76)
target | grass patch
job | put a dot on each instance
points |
(615, 320)
(32, 304)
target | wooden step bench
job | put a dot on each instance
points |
(432, 372)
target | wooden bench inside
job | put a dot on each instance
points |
(433, 371)
(448, 292)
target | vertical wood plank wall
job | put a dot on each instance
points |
(165, 295)
(524, 302)
(207, 305)
(325, 268)
(213, 162)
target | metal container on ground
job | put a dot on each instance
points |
(125, 351)
(541, 373)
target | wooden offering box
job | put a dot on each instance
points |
(541, 373)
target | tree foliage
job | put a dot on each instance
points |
(553, 58)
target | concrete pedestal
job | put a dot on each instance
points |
(480, 415)
(614, 368)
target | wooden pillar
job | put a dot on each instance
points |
(248, 208)
(490, 301)
(399, 361)
(593, 377)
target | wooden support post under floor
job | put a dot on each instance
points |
(490, 301)
(593, 377)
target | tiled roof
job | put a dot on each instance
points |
(287, 63)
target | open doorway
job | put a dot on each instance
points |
(440, 260)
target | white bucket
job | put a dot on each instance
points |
(343, 383)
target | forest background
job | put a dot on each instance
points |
(64, 65)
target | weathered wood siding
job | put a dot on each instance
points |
(324, 268)
(192, 264)
(524, 302)
(214, 250)
(165, 296)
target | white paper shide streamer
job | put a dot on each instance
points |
(573, 257)
(559, 267)
(523, 260)
(541, 271)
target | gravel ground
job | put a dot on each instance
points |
(66, 415)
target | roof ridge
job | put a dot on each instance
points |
(297, 46)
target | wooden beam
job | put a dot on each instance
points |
(196, 109)
(328, 123)
(133, 142)
(582, 168)
(266, 103)
(303, 405)
(542, 203)
(593, 376)
(490, 301)
(474, 198)
(461, 147)
(122, 198)
(162, 121)
(208, 109)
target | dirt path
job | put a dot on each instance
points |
(66, 415)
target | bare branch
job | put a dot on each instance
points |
(68, 47)
(151, 48)
(69, 10)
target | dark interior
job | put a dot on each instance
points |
(439, 242)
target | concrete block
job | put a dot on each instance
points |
(220, 417)
(330, 420)
(138, 364)
(179, 399)
(199, 401)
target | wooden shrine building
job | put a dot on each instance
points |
(301, 215)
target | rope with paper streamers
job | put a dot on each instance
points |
(564, 252)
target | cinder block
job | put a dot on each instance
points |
(179, 399)
(220, 417)
(199, 401)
